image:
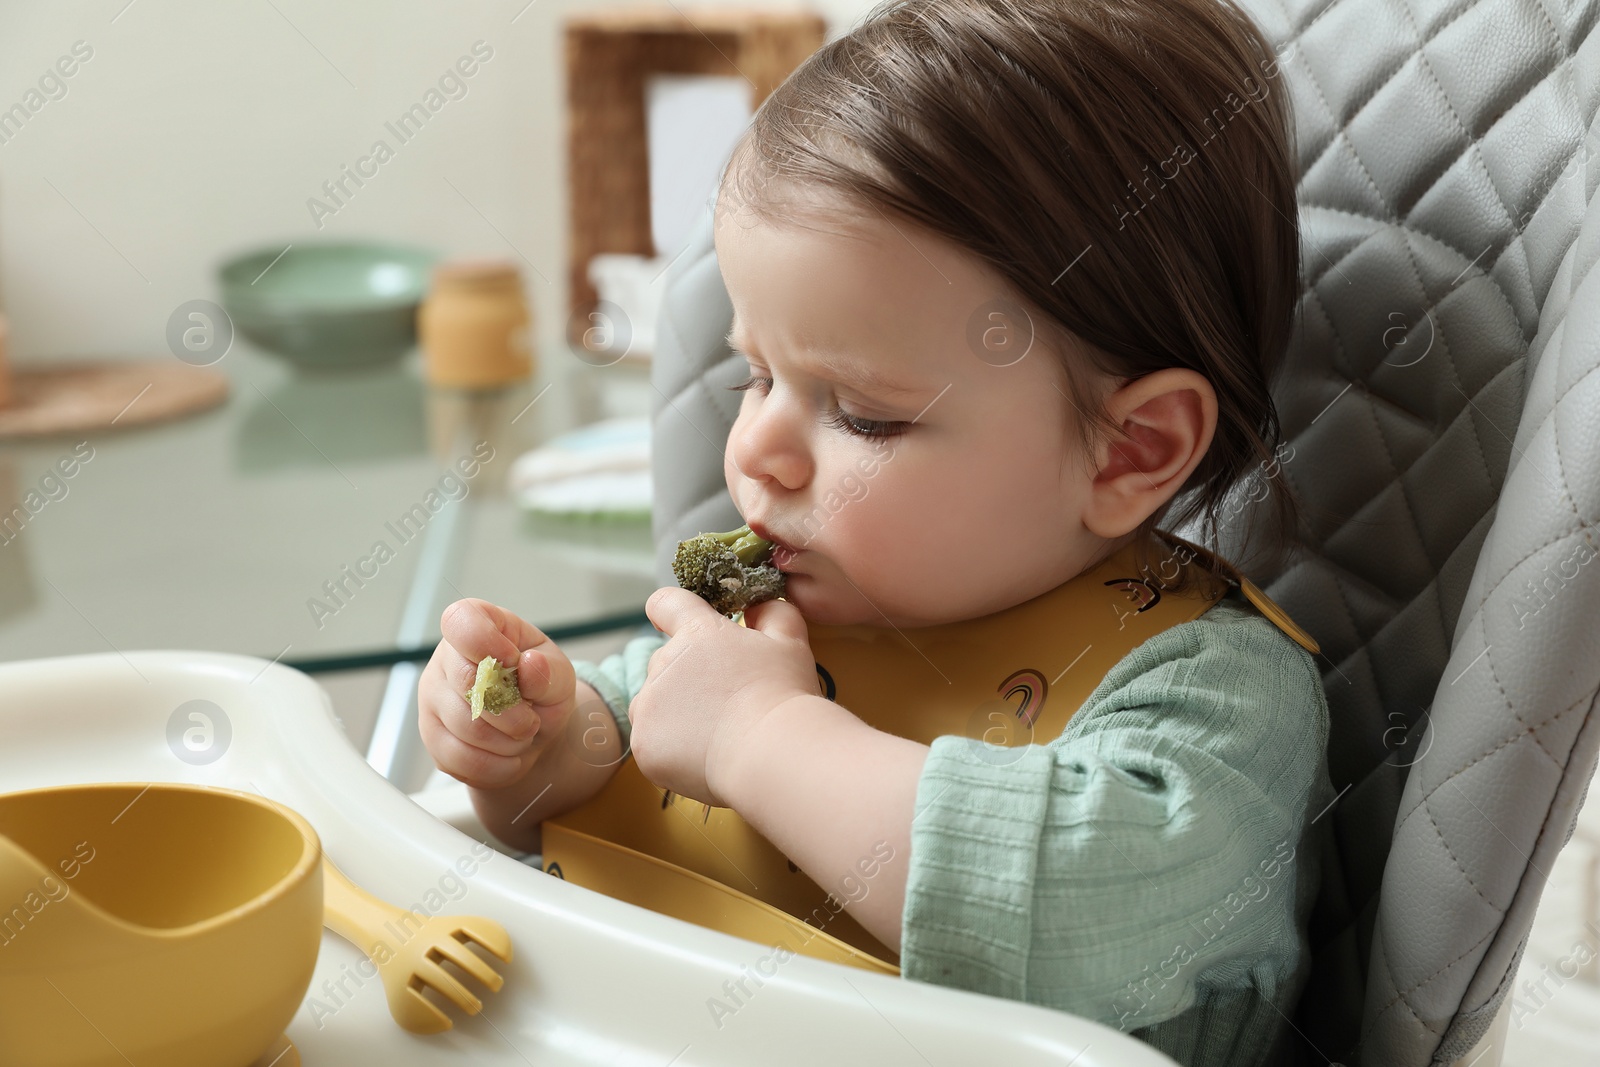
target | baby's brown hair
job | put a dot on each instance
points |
(1124, 165)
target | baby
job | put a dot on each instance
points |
(1010, 279)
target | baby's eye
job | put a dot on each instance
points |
(750, 383)
(865, 427)
(837, 418)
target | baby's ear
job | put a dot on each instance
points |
(1167, 420)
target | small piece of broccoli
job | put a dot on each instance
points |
(495, 688)
(729, 570)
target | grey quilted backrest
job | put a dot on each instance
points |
(1445, 435)
(1445, 423)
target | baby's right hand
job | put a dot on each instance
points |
(493, 750)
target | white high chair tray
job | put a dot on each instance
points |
(592, 980)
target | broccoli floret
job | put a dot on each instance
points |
(495, 688)
(729, 570)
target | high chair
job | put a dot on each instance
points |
(587, 979)
(1443, 364)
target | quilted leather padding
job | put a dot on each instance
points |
(1444, 421)
(1444, 426)
(693, 411)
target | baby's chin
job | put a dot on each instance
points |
(822, 604)
(801, 591)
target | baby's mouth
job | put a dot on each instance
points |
(783, 554)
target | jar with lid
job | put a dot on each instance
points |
(475, 325)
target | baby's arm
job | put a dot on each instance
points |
(596, 741)
(730, 717)
(1085, 874)
(546, 753)
(1150, 860)
(574, 770)
(836, 797)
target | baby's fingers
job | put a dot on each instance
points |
(476, 628)
(445, 690)
(545, 675)
(478, 767)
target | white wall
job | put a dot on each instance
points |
(201, 128)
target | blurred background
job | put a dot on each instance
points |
(199, 129)
(218, 226)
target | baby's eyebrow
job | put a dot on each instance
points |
(846, 371)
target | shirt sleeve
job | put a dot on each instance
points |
(619, 677)
(1149, 850)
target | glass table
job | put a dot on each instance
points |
(321, 521)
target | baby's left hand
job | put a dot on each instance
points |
(710, 684)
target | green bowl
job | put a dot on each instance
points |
(328, 306)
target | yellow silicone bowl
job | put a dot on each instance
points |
(152, 923)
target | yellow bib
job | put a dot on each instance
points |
(1012, 677)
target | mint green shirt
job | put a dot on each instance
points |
(1152, 868)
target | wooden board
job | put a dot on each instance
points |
(88, 396)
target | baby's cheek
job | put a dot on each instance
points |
(894, 525)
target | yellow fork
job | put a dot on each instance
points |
(409, 955)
